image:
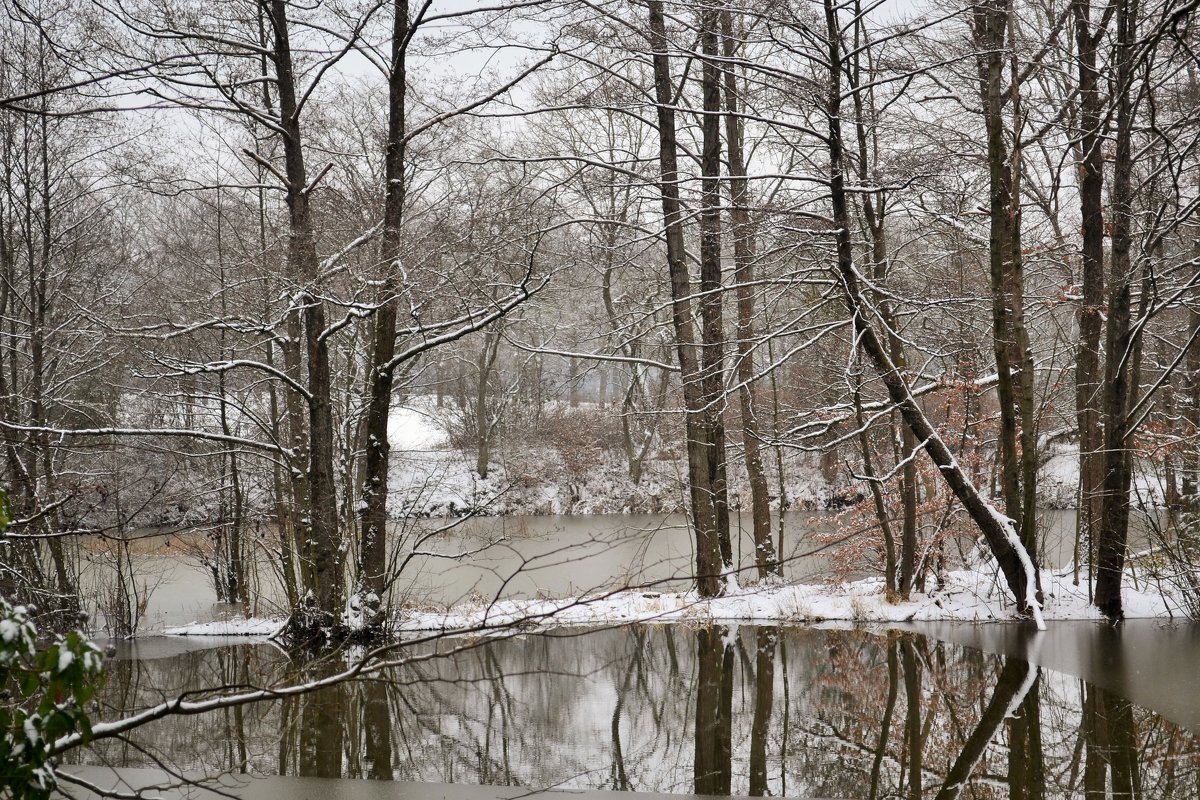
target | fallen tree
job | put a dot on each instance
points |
(998, 531)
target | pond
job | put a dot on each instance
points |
(527, 556)
(926, 712)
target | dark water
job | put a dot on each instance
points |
(795, 712)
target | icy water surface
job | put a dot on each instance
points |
(709, 710)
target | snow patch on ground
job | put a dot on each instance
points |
(238, 626)
(429, 477)
(966, 596)
(1058, 478)
(416, 427)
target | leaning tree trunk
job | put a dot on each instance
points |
(704, 518)
(998, 531)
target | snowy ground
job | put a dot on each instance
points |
(432, 478)
(1058, 478)
(968, 595)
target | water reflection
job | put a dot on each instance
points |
(706, 710)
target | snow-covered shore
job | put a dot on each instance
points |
(432, 478)
(967, 596)
(429, 477)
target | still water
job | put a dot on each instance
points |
(975, 711)
(448, 561)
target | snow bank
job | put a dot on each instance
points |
(429, 477)
(416, 427)
(968, 595)
(1058, 478)
(238, 626)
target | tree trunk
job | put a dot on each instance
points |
(998, 532)
(323, 555)
(765, 556)
(704, 519)
(1021, 354)
(484, 364)
(1189, 465)
(874, 215)
(1018, 464)
(1091, 311)
(373, 550)
(1119, 339)
(236, 589)
(284, 505)
(881, 511)
(573, 382)
(711, 289)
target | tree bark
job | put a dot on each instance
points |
(1091, 311)
(323, 556)
(484, 364)
(1119, 337)
(998, 532)
(1018, 457)
(765, 556)
(900, 582)
(881, 512)
(711, 289)
(709, 581)
(373, 550)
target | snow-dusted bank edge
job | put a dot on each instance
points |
(968, 596)
(236, 626)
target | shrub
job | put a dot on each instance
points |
(43, 694)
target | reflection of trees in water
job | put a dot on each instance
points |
(679, 709)
(228, 740)
(765, 641)
(712, 764)
(1110, 742)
